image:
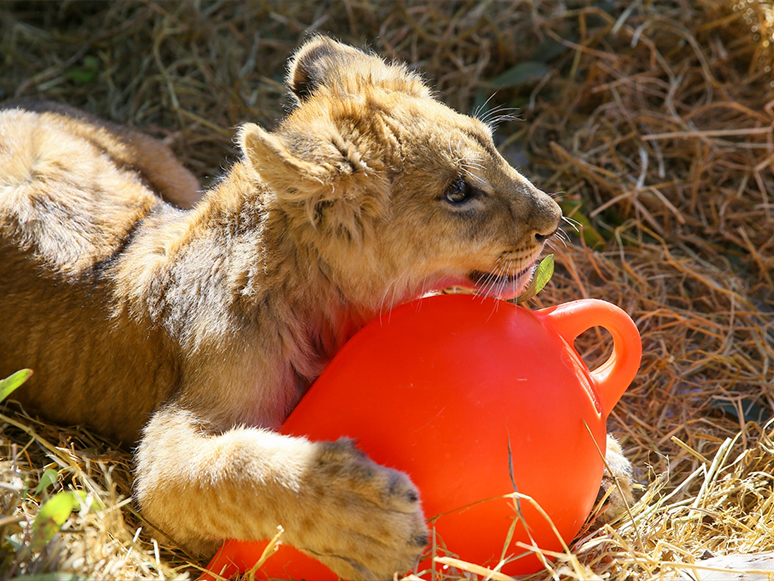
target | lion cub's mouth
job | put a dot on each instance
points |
(503, 286)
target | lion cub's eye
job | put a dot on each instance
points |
(458, 192)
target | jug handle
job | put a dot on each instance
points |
(613, 377)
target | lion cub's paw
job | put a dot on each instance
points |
(619, 478)
(369, 523)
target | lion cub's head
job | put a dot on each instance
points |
(394, 192)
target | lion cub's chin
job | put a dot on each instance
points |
(505, 287)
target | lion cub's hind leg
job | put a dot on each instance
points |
(151, 159)
(617, 478)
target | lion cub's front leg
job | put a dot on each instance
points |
(361, 519)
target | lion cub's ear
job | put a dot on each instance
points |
(334, 193)
(316, 61)
(283, 171)
(322, 62)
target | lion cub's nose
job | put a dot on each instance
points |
(543, 237)
(547, 218)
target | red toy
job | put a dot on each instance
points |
(445, 389)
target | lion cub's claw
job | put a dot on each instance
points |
(370, 523)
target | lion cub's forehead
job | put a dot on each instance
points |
(430, 123)
(458, 135)
(427, 110)
(390, 126)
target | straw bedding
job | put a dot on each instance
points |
(652, 121)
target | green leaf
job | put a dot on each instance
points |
(752, 411)
(9, 384)
(479, 106)
(49, 477)
(86, 73)
(543, 274)
(522, 74)
(52, 515)
(15, 544)
(590, 235)
(550, 49)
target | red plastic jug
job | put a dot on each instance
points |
(470, 397)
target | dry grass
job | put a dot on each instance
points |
(654, 121)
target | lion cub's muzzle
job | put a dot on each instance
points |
(541, 238)
(512, 271)
(480, 278)
(502, 282)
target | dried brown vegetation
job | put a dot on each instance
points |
(653, 121)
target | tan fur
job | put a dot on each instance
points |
(195, 332)
(150, 159)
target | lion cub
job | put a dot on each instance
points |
(195, 332)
